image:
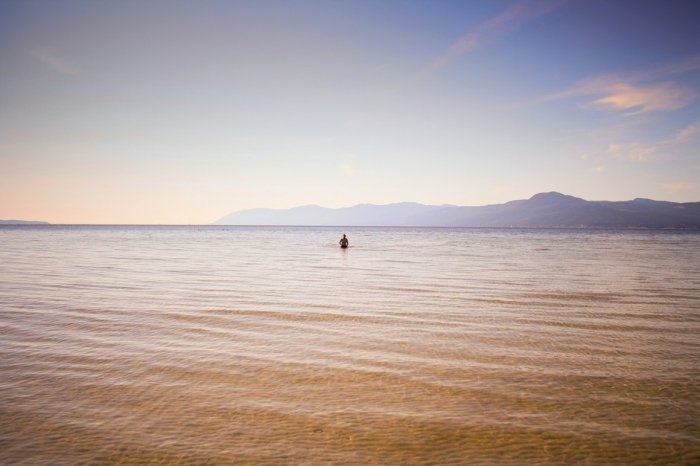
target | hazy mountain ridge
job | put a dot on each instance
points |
(543, 210)
(23, 222)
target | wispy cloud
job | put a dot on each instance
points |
(643, 152)
(686, 134)
(639, 99)
(634, 151)
(494, 28)
(57, 64)
(668, 69)
(677, 186)
(636, 92)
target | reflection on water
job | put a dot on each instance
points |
(271, 345)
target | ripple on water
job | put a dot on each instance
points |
(193, 345)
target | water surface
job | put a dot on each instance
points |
(414, 346)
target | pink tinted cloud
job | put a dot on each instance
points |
(687, 133)
(636, 92)
(634, 151)
(644, 98)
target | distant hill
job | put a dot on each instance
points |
(544, 210)
(22, 222)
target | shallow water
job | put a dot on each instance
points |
(414, 346)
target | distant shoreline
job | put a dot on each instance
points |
(426, 227)
(23, 222)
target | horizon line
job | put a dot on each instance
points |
(212, 225)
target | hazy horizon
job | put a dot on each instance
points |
(179, 113)
(317, 216)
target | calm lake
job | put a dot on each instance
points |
(191, 345)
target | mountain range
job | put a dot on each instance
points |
(543, 210)
(22, 222)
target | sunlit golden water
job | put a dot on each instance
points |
(415, 346)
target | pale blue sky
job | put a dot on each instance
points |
(180, 112)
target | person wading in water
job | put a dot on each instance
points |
(343, 242)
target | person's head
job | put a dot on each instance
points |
(343, 235)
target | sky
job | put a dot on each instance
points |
(180, 112)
